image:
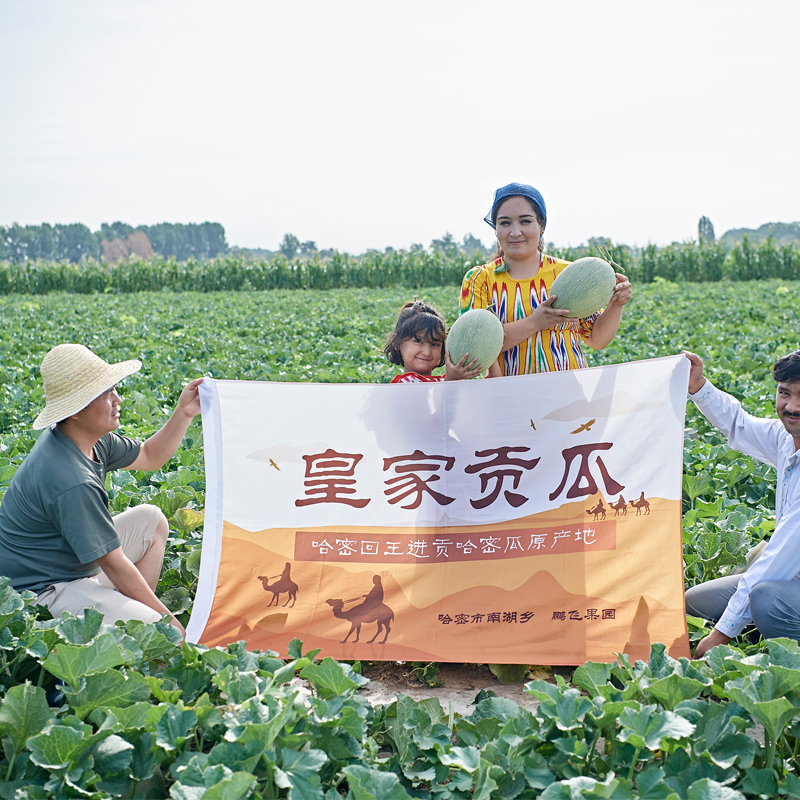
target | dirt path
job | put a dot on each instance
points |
(460, 684)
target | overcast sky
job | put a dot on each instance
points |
(374, 124)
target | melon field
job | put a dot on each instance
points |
(143, 716)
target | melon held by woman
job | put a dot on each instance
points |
(584, 286)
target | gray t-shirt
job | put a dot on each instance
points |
(54, 517)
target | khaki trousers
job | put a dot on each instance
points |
(136, 528)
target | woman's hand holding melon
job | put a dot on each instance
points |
(544, 316)
(622, 291)
(607, 324)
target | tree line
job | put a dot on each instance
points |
(291, 247)
(775, 243)
(76, 243)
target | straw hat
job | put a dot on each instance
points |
(74, 376)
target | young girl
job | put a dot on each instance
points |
(537, 337)
(418, 346)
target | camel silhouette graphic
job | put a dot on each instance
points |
(620, 507)
(373, 609)
(640, 504)
(284, 584)
(599, 510)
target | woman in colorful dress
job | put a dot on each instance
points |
(516, 286)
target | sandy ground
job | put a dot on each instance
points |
(460, 684)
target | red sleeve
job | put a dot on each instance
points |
(413, 377)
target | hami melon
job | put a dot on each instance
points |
(477, 332)
(584, 286)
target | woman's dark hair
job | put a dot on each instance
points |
(499, 251)
(787, 368)
(416, 319)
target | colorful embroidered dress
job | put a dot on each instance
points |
(555, 349)
(413, 377)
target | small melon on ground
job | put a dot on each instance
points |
(584, 286)
(477, 332)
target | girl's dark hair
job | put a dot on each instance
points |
(499, 251)
(787, 368)
(416, 319)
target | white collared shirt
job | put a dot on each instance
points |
(768, 441)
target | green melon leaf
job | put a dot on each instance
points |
(23, 713)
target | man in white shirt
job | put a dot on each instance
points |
(768, 592)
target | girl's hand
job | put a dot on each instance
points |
(462, 370)
(622, 291)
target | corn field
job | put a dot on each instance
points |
(690, 262)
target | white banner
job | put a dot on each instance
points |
(425, 513)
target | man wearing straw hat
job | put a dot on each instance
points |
(57, 536)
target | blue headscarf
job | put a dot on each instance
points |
(517, 190)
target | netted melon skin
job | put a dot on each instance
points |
(584, 286)
(479, 333)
